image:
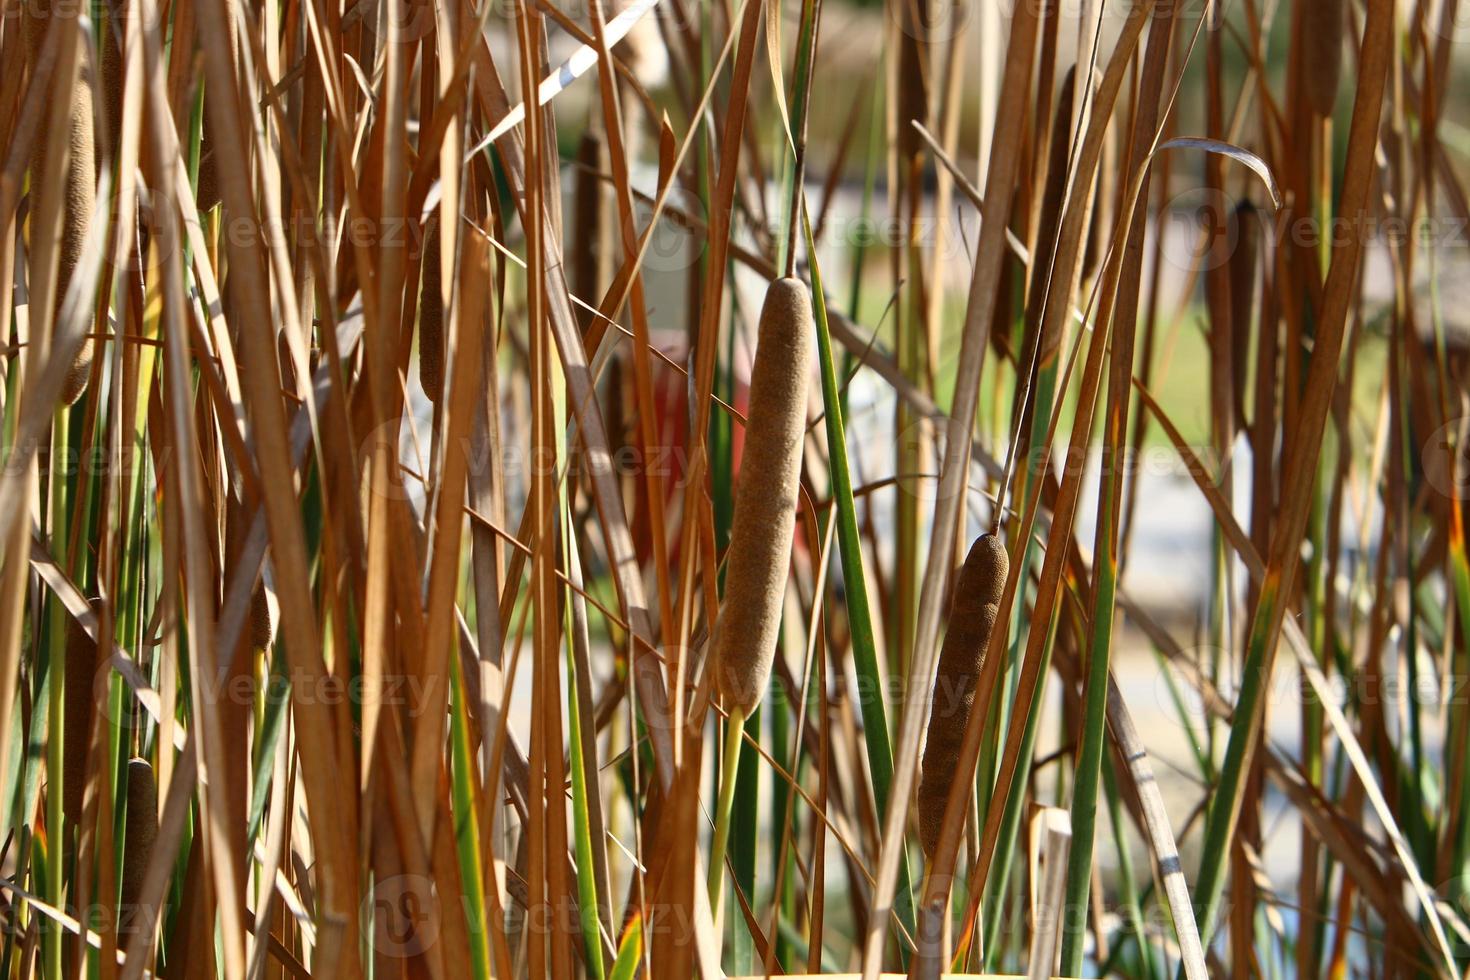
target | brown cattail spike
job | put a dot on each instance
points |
(587, 246)
(972, 619)
(262, 618)
(765, 499)
(81, 670)
(139, 834)
(81, 189)
(1245, 228)
(208, 194)
(1323, 22)
(111, 89)
(210, 190)
(431, 316)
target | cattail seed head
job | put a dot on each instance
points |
(587, 248)
(972, 618)
(210, 190)
(765, 500)
(431, 316)
(139, 833)
(1323, 22)
(81, 189)
(262, 618)
(81, 670)
(112, 71)
(1245, 225)
(208, 194)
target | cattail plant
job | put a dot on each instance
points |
(765, 502)
(749, 624)
(972, 616)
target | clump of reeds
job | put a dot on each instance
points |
(465, 642)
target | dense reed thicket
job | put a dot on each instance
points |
(487, 488)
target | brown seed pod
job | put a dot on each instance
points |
(431, 316)
(80, 676)
(1323, 22)
(210, 191)
(1245, 224)
(81, 189)
(587, 246)
(262, 619)
(111, 89)
(208, 194)
(139, 833)
(972, 618)
(1053, 198)
(765, 500)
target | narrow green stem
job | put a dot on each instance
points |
(56, 830)
(467, 825)
(1089, 764)
(729, 764)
